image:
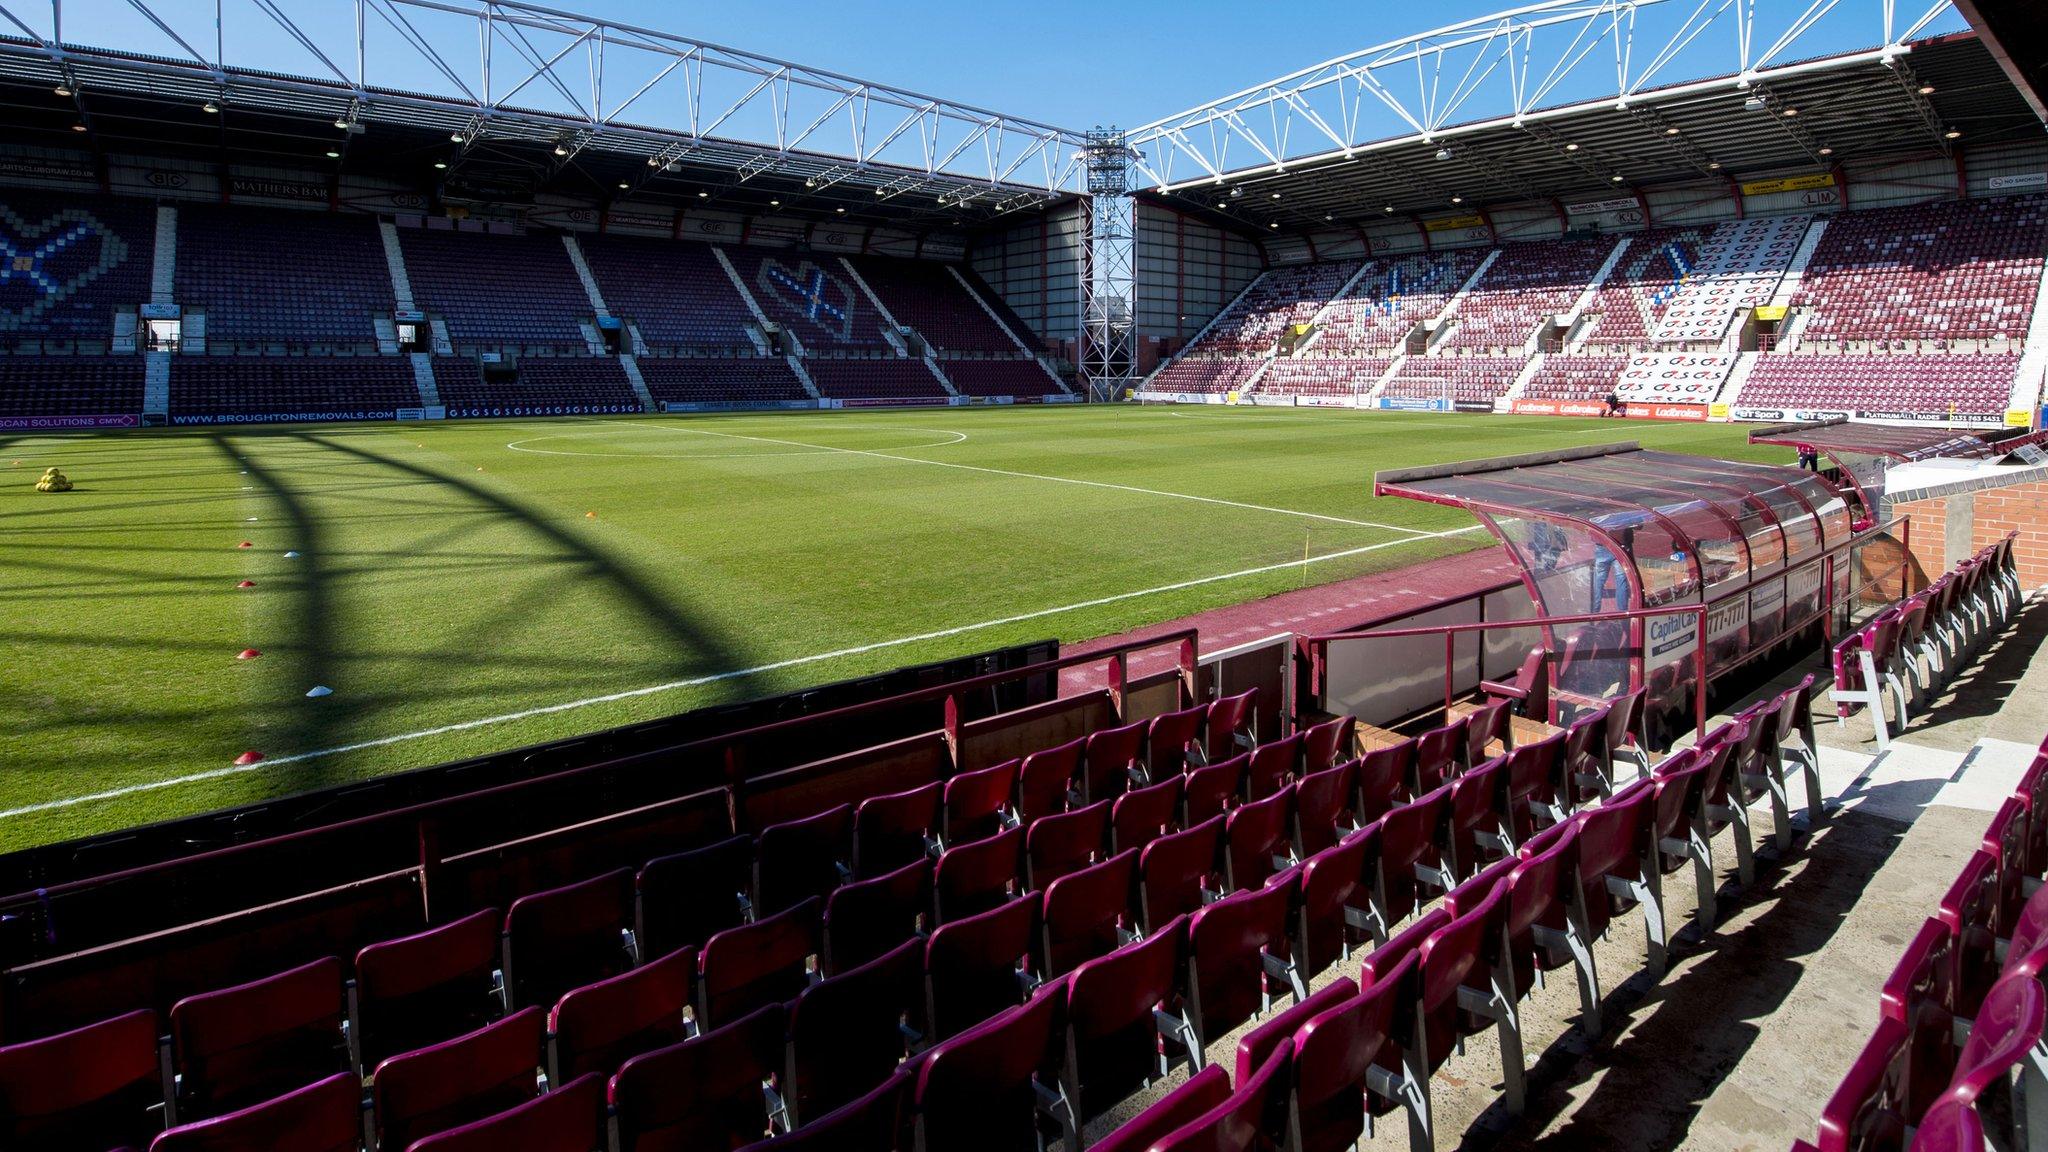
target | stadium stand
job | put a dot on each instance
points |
(999, 378)
(1323, 376)
(1950, 276)
(497, 291)
(328, 293)
(812, 295)
(1527, 284)
(1389, 300)
(875, 379)
(32, 386)
(674, 292)
(1931, 386)
(537, 386)
(924, 296)
(1465, 380)
(72, 261)
(1564, 376)
(693, 380)
(229, 389)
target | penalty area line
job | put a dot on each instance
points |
(700, 681)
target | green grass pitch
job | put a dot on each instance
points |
(469, 587)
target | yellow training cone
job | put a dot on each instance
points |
(590, 515)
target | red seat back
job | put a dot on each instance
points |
(568, 1119)
(1384, 777)
(1045, 777)
(1168, 737)
(976, 1089)
(250, 1042)
(767, 962)
(701, 1093)
(427, 987)
(974, 877)
(1060, 845)
(1227, 943)
(977, 801)
(971, 965)
(1106, 764)
(1272, 766)
(1335, 1050)
(1173, 872)
(323, 1116)
(1324, 744)
(1113, 1036)
(798, 859)
(845, 1034)
(459, 1081)
(890, 831)
(687, 898)
(1142, 815)
(1212, 789)
(1082, 912)
(91, 1087)
(600, 1026)
(1324, 808)
(1254, 835)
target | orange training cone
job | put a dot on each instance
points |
(246, 544)
(590, 515)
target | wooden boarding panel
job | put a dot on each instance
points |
(159, 969)
(809, 789)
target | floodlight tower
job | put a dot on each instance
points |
(1108, 270)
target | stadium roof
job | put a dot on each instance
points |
(495, 100)
(1577, 99)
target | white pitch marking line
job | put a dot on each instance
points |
(697, 681)
(1414, 533)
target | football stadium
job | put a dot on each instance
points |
(567, 587)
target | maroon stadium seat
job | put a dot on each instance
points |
(1256, 840)
(1678, 819)
(1169, 738)
(1057, 846)
(568, 1119)
(1230, 725)
(846, 1034)
(1110, 762)
(1440, 754)
(878, 1121)
(1385, 777)
(688, 898)
(1328, 742)
(1272, 767)
(766, 962)
(1616, 867)
(424, 988)
(563, 937)
(91, 1087)
(1115, 1042)
(1275, 1034)
(1535, 773)
(1325, 810)
(1488, 732)
(1409, 857)
(800, 859)
(1046, 778)
(1245, 1121)
(1239, 959)
(1475, 830)
(978, 966)
(1213, 788)
(1083, 914)
(248, 1043)
(869, 917)
(977, 804)
(1176, 873)
(895, 829)
(597, 1027)
(1587, 762)
(974, 877)
(1183, 1106)
(458, 1081)
(1142, 815)
(323, 1116)
(1336, 908)
(702, 1093)
(1335, 1053)
(980, 1089)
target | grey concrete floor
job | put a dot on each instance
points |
(1740, 1044)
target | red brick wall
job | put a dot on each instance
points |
(1993, 512)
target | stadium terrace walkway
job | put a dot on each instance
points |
(1347, 604)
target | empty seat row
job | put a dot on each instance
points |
(1909, 648)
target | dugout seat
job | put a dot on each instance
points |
(424, 988)
(1183, 1106)
(566, 937)
(248, 1043)
(982, 1089)
(767, 962)
(867, 918)
(324, 1116)
(1325, 808)
(1169, 739)
(91, 1087)
(1143, 814)
(798, 860)
(895, 829)
(1335, 906)
(1272, 767)
(1122, 1019)
(1256, 840)
(979, 966)
(1046, 778)
(1083, 915)
(702, 1093)
(568, 1119)
(1239, 960)
(1322, 745)
(977, 804)
(1213, 789)
(687, 898)
(847, 1034)
(1056, 846)
(1177, 873)
(1109, 762)
(974, 877)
